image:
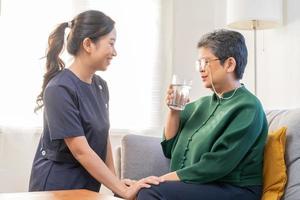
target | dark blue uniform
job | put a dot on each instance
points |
(71, 108)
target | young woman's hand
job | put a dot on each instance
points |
(128, 182)
(133, 189)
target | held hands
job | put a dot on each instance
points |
(133, 187)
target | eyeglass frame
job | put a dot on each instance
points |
(200, 66)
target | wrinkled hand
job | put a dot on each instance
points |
(133, 189)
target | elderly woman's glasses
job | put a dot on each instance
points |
(203, 63)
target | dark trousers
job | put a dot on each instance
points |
(177, 190)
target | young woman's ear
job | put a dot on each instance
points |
(230, 64)
(87, 45)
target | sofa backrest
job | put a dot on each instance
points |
(140, 156)
(290, 119)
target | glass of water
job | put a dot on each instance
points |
(181, 90)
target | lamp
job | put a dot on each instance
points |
(254, 15)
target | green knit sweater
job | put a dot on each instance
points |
(220, 140)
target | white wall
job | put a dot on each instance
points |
(191, 19)
(279, 60)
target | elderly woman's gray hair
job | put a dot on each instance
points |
(224, 44)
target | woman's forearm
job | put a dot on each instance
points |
(94, 164)
(172, 124)
(97, 168)
(109, 157)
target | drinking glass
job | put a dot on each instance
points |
(181, 90)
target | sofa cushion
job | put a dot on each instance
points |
(291, 120)
(142, 156)
(274, 165)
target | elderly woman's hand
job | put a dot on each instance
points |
(170, 95)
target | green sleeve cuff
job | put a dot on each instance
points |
(167, 146)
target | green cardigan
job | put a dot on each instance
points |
(220, 140)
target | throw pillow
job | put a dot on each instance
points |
(274, 171)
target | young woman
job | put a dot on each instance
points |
(74, 151)
(216, 144)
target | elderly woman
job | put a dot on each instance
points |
(216, 143)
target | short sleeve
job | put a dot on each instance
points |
(61, 113)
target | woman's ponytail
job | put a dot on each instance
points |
(53, 62)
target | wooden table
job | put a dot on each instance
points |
(57, 195)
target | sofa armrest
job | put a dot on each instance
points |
(140, 156)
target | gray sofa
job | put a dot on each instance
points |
(141, 156)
